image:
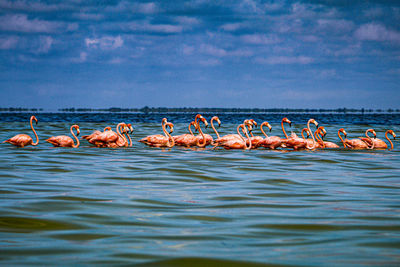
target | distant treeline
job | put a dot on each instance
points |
(224, 110)
(208, 110)
(20, 109)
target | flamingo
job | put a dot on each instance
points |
(254, 139)
(65, 141)
(102, 139)
(130, 128)
(202, 139)
(186, 139)
(379, 143)
(22, 140)
(298, 143)
(321, 142)
(95, 133)
(354, 143)
(236, 143)
(271, 142)
(231, 137)
(159, 140)
(121, 140)
(215, 118)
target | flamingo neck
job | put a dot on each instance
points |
(170, 139)
(283, 130)
(390, 141)
(302, 132)
(341, 139)
(120, 135)
(247, 135)
(370, 139)
(213, 127)
(76, 138)
(130, 140)
(34, 132)
(312, 136)
(318, 137)
(262, 130)
(190, 130)
(202, 135)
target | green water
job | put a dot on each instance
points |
(182, 207)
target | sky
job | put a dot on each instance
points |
(200, 53)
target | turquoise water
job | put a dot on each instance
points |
(180, 207)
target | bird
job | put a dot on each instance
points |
(325, 144)
(300, 143)
(186, 139)
(22, 140)
(129, 131)
(106, 137)
(254, 139)
(271, 142)
(159, 140)
(65, 141)
(379, 143)
(241, 143)
(215, 118)
(121, 140)
(202, 139)
(353, 143)
(95, 133)
(229, 137)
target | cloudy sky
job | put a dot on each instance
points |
(200, 53)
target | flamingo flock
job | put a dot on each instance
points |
(244, 137)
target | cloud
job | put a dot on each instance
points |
(145, 8)
(88, 16)
(82, 58)
(31, 6)
(105, 43)
(187, 50)
(212, 50)
(141, 8)
(260, 39)
(45, 43)
(377, 32)
(155, 28)
(335, 25)
(8, 42)
(187, 21)
(21, 23)
(210, 62)
(230, 27)
(285, 60)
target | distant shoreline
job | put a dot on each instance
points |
(199, 110)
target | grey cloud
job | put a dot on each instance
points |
(260, 39)
(104, 43)
(9, 42)
(275, 60)
(21, 23)
(377, 32)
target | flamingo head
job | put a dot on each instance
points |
(314, 122)
(254, 123)
(171, 127)
(108, 128)
(77, 129)
(130, 127)
(217, 119)
(373, 132)
(268, 125)
(341, 130)
(34, 119)
(392, 133)
(164, 120)
(287, 121)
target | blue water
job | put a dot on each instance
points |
(181, 207)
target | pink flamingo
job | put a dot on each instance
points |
(122, 140)
(299, 143)
(65, 141)
(271, 142)
(202, 139)
(354, 143)
(232, 137)
(95, 133)
(22, 140)
(323, 144)
(159, 140)
(236, 143)
(254, 139)
(189, 140)
(102, 139)
(379, 143)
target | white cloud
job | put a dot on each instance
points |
(88, 16)
(210, 62)
(145, 8)
(275, 60)
(187, 21)
(230, 27)
(212, 50)
(335, 25)
(187, 49)
(21, 23)
(261, 39)
(155, 28)
(31, 6)
(82, 58)
(8, 42)
(105, 43)
(377, 32)
(45, 43)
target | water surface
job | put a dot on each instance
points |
(180, 206)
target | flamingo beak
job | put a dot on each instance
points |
(78, 131)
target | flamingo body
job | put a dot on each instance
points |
(20, 140)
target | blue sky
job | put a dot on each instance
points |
(200, 53)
